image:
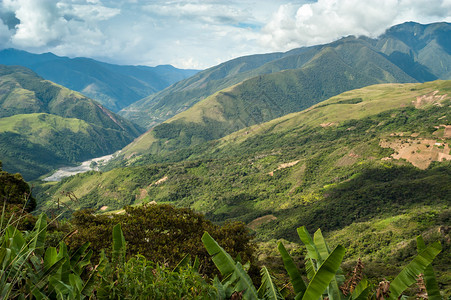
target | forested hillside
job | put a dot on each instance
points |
(343, 66)
(44, 125)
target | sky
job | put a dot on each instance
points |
(197, 34)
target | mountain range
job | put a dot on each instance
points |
(114, 86)
(255, 89)
(418, 52)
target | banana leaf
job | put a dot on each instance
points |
(323, 249)
(310, 268)
(321, 245)
(308, 242)
(326, 272)
(268, 290)
(118, 244)
(219, 288)
(295, 276)
(361, 291)
(50, 257)
(40, 228)
(229, 268)
(429, 276)
(417, 266)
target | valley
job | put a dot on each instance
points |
(44, 126)
(352, 137)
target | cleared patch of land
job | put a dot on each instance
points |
(419, 152)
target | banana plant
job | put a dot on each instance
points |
(419, 265)
(319, 255)
(233, 272)
(319, 258)
(26, 269)
(429, 275)
(235, 278)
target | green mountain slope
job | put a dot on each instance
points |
(421, 57)
(415, 45)
(112, 85)
(296, 163)
(345, 66)
(44, 125)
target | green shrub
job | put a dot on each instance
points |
(162, 233)
(140, 278)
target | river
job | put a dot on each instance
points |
(84, 167)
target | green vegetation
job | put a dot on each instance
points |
(373, 164)
(255, 101)
(243, 175)
(15, 191)
(16, 199)
(161, 233)
(32, 270)
(324, 274)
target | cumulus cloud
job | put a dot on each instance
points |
(49, 23)
(39, 22)
(327, 20)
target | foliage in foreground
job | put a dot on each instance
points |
(139, 278)
(325, 280)
(31, 272)
(15, 191)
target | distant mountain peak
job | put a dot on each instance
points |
(116, 86)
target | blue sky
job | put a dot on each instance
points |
(197, 34)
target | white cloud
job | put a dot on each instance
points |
(327, 20)
(208, 13)
(40, 22)
(196, 33)
(45, 24)
(90, 12)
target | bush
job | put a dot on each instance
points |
(162, 233)
(140, 278)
